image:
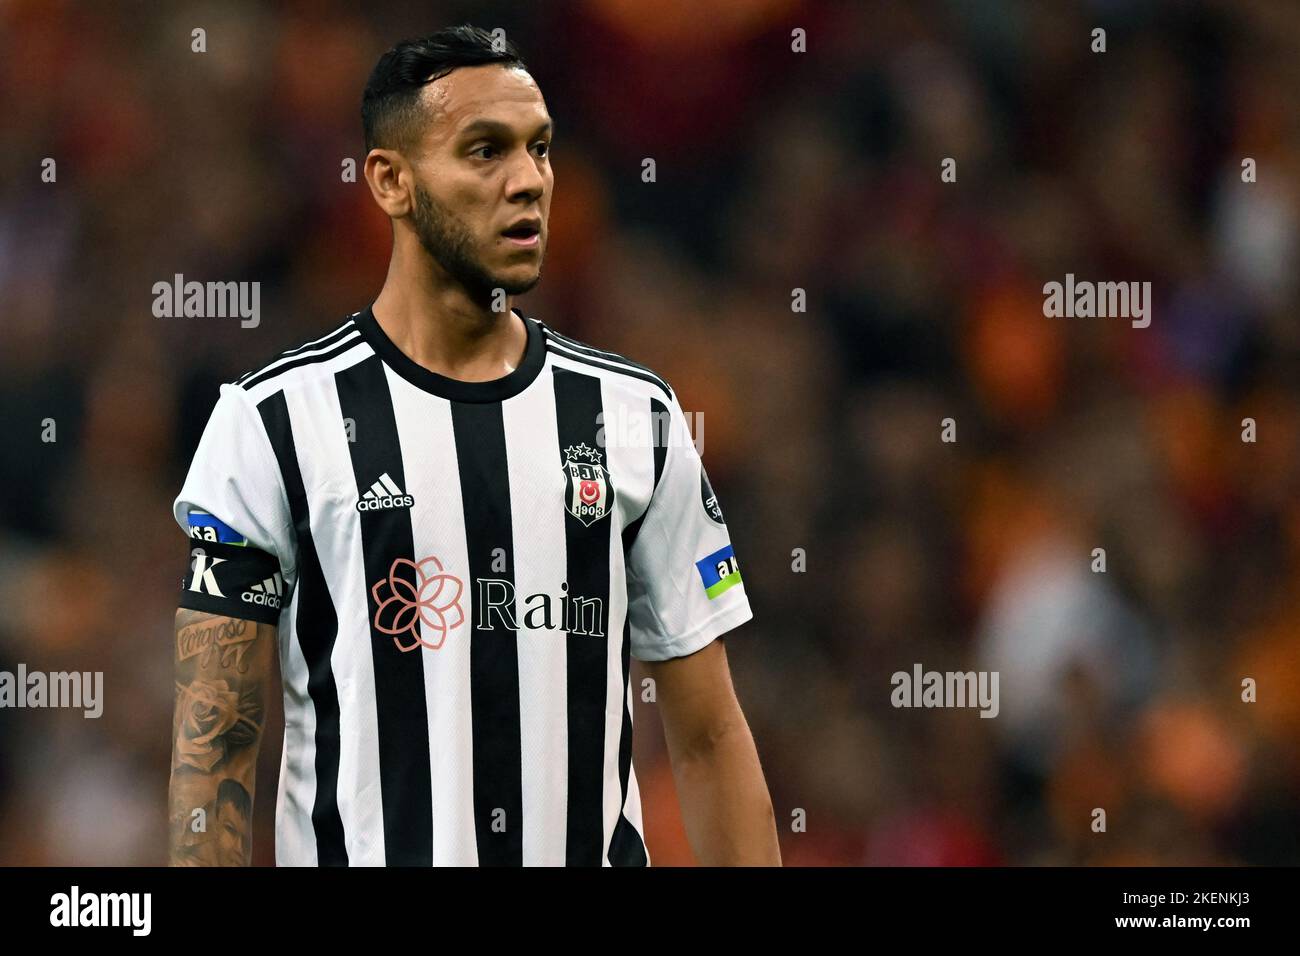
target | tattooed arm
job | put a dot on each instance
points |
(223, 674)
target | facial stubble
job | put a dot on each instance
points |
(450, 244)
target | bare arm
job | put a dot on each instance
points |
(223, 673)
(725, 804)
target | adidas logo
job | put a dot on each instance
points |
(268, 593)
(384, 493)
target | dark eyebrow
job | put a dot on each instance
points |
(501, 130)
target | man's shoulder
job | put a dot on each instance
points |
(301, 358)
(635, 374)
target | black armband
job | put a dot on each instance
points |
(234, 581)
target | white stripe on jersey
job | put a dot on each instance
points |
(295, 842)
(437, 525)
(323, 456)
(629, 464)
(539, 554)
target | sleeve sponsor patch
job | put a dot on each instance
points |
(206, 527)
(719, 571)
(708, 498)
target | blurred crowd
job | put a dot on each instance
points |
(868, 543)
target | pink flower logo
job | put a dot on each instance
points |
(423, 594)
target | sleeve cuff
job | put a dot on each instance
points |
(698, 637)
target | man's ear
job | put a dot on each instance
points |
(389, 178)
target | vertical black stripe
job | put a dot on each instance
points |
(386, 537)
(317, 627)
(625, 845)
(578, 413)
(660, 423)
(494, 649)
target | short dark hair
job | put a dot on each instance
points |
(232, 792)
(390, 114)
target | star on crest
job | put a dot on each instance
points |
(582, 451)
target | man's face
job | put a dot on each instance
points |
(481, 168)
(234, 840)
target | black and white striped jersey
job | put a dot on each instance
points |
(467, 568)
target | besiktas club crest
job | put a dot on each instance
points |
(587, 488)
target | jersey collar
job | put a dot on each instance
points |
(452, 389)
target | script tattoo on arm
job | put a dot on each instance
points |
(223, 674)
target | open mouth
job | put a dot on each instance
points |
(524, 234)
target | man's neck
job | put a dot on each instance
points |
(447, 333)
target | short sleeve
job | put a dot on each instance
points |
(234, 487)
(684, 584)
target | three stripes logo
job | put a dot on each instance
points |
(383, 494)
(267, 593)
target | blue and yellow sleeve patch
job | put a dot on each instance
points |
(718, 571)
(206, 527)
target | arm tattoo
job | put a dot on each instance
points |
(223, 672)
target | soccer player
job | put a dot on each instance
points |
(455, 525)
